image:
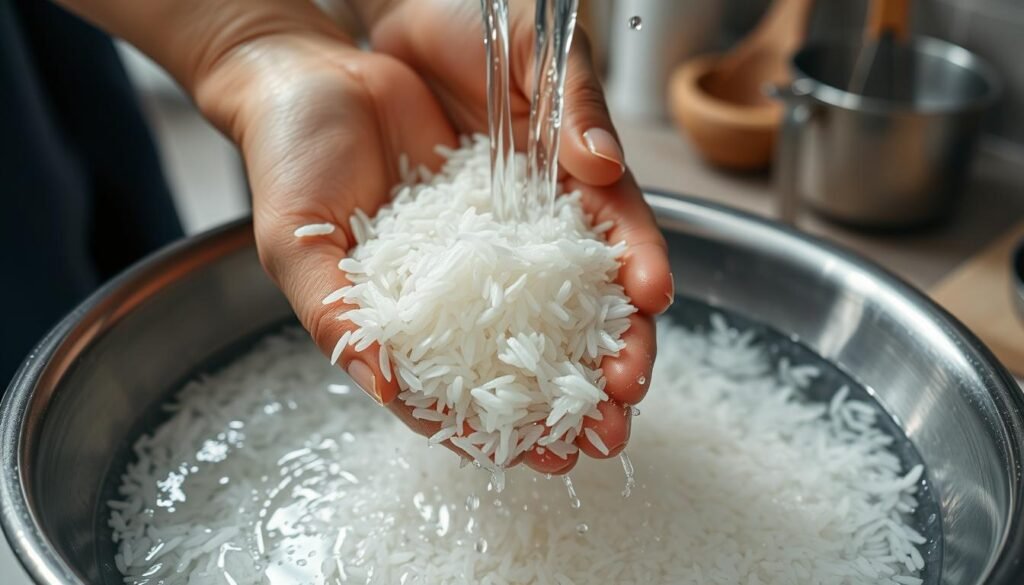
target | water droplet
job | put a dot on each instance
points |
(497, 481)
(339, 389)
(641, 380)
(636, 23)
(582, 528)
(627, 468)
(472, 502)
(574, 501)
(498, 503)
(480, 545)
(635, 411)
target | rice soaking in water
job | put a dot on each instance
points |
(752, 464)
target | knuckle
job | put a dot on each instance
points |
(321, 322)
(587, 94)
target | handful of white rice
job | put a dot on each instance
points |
(499, 325)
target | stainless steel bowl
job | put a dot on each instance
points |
(84, 390)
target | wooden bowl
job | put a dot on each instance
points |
(734, 132)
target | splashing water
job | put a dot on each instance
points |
(497, 482)
(574, 500)
(627, 468)
(555, 21)
(507, 204)
(480, 545)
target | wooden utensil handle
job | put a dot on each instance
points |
(888, 17)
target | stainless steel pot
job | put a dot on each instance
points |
(83, 392)
(887, 146)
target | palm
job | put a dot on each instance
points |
(454, 68)
(322, 136)
(329, 140)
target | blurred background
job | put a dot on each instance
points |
(208, 180)
(927, 184)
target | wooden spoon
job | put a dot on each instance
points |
(763, 57)
(719, 100)
(880, 69)
(888, 17)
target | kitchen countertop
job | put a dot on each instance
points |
(661, 159)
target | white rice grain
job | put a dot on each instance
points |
(596, 440)
(315, 229)
(526, 304)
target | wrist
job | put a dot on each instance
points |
(238, 73)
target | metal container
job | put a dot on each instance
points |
(82, 393)
(640, 60)
(896, 152)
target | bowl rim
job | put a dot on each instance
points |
(101, 310)
(51, 357)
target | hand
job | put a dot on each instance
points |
(321, 126)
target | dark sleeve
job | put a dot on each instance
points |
(82, 194)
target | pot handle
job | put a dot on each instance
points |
(799, 111)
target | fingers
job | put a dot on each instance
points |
(411, 119)
(590, 148)
(613, 430)
(544, 461)
(645, 273)
(306, 270)
(628, 374)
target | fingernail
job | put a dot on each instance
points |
(602, 144)
(362, 375)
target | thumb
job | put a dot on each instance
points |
(307, 271)
(590, 148)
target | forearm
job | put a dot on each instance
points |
(190, 37)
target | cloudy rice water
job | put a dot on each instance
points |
(275, 470)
